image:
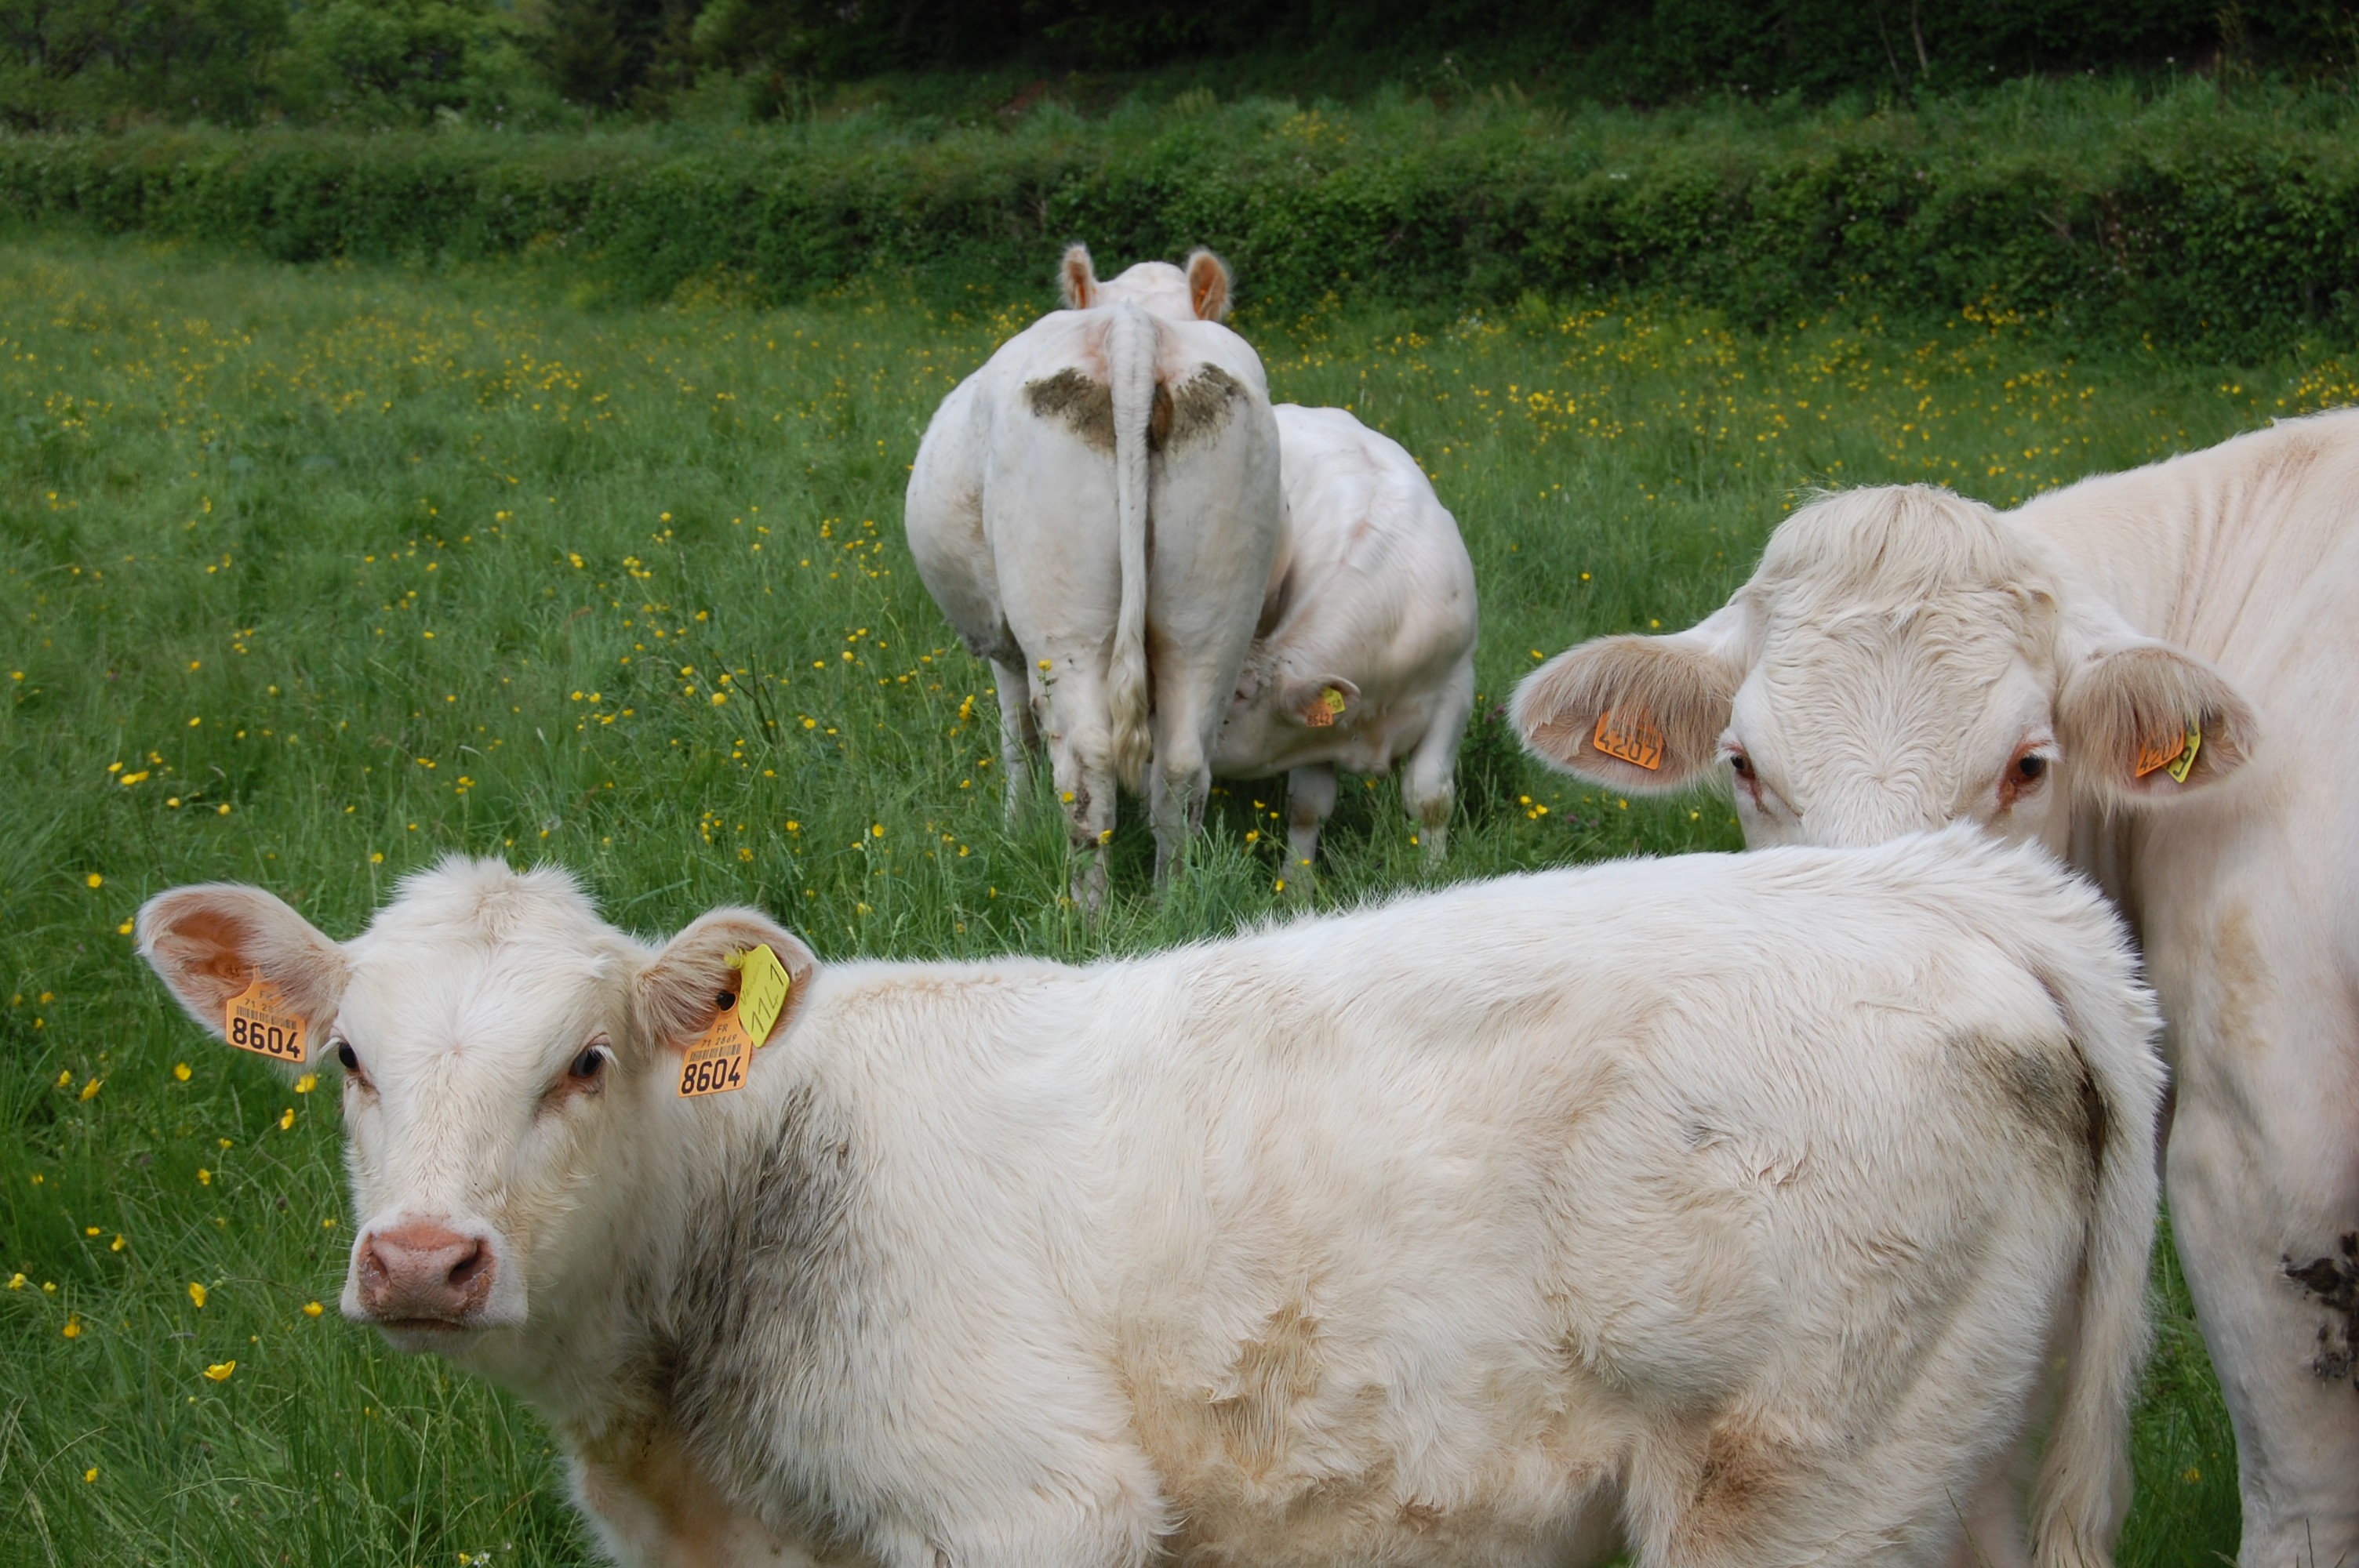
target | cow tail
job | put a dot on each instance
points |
(2084, 1486)
(1133, 348)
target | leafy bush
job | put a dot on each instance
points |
(2184, 216)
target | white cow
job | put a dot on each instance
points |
(2095, 671)
(1097, 512)
(1734, 1206)
(1368, 649)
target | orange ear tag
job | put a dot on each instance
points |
(2176, 753)
(1628, 738)
(1322, 712)
(717, 1063)
(258, 1018)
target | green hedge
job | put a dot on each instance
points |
(2179, 216)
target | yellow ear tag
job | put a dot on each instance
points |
(762, 985)
(1321, 712)
(717, 1063)
(258, 1018)
(2186, 763)
(1628, 738)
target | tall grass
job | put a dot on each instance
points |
(311, 576)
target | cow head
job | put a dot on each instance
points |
(502, 1050)
(1199, 292)
(1902, 658)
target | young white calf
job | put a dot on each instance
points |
(2152, 672)
(1097, 512)
(1732, 1206)
(1368, 652)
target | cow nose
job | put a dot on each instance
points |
(420, 1271)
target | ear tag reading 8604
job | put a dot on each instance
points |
(2175, 753)
(260, 1019)
(717, 1063)
(1627, 736)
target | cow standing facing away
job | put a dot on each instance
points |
(1097, 512)
(2094, 671)
(1368, 653)
(1733, 1205)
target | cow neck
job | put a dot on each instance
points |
(2201, 563)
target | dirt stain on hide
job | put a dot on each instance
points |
(1744, 1477)
(1086, 406)
(1195, 410)
(2052, 1094)
(2335, 1282)
(1273, 1374)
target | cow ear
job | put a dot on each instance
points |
(1077, 279)
(1637, 713)
(1208, 285)
(683, 988)
(208, 942)
(1319, 702)
(2144, 722)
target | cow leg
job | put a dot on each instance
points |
(1188, 705)
(2265, 1216)
(1175, 789)
(1068, 705)
(1309, 797)
(1429, 782)
(1017, 733)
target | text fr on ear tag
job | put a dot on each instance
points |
(260, 1019)
(717, 1063)
(1628, 738)
(2176, 753)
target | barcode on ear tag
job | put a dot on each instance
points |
(1628, 738)
(716, 1064)
(2157, 754)
(260, 1019)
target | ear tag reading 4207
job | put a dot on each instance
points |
(717, 1063)
(260, 1019)
(2175, 753)
(1628, 738)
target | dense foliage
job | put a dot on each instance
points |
(2179, 216)
(79, 63)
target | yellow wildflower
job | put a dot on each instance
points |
(94, 880)
(307, 1083)
(312, 1309)
(220, 1370)
(73, 1330)
(180, 1071)
(196, 1293)
(90, 1090)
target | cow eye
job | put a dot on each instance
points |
(589, 1064)
(346, 1057)
(2030, 765)
(1741, 764)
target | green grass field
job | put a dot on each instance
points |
(311, 576)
